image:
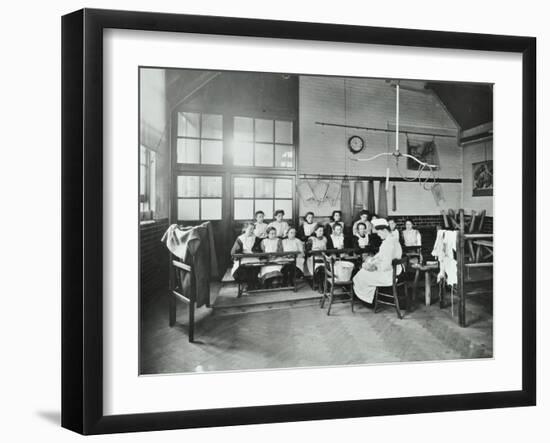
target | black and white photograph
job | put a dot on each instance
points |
(303, 221)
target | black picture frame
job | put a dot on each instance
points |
(82, 215)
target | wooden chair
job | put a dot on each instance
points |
(179, 272)
(317, 259)
(392, 299)
(333, 286)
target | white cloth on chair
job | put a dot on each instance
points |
(444, 249)
(174, 242)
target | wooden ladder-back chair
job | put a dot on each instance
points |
(392, 299)
(180, 272)
(333, 286)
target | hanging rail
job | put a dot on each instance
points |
(391, 131)
(369, 177)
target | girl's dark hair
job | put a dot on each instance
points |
(370, 217)
(278, 211)
(364, 212)
(335, 212)
(291, 227)
(317, 226)
(409, 220)
(259, 212)
(338, 224)
(246, 224)
(361, 224)
(271, 228)
(382, 227)
(307, 213)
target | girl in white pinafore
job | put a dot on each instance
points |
(271, 244)
(293, 244)
(378, 271)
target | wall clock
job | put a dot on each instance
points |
(356, 144)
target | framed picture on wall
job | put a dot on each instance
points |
(482, 173)
(226, 223)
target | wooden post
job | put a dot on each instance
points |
(460, 269)
(192, 319)
(171, 298)
(446, 224)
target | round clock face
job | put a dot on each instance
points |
(356, 144)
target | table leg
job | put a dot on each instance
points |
(428, 287)
(415, 284)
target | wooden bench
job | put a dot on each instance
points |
(266, 259)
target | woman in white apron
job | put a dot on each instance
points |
(361, 239)
(279, 224)
(336, 217)
(363, 218)
(272, 243)
(317, 242)
(293, 244)
(307, 227)
(246, 243)
(336, 240)
(377, 270)
(411, 237)
(393, 228)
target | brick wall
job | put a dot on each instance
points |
(153, 258)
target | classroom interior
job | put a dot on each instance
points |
(216, 147)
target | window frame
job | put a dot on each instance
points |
(200, 175)
(149, 197)
(200, 138)
(273, 144)
(273, 177)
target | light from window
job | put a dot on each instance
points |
(261, 194)
(263, 143)
(199, 138)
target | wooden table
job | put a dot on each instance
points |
(428, 269)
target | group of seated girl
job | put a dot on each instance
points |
(274, 237)
(278, 236)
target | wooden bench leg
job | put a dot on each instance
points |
(191, 322)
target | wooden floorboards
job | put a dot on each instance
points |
(305, 336)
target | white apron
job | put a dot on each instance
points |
(316, 245)
(365, 282)
(295, 245)
(248, 242)
(270, 246)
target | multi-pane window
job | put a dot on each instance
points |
(199, 138)
(265, 194)
(199, 197)
(147, 182)
(263, 143)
